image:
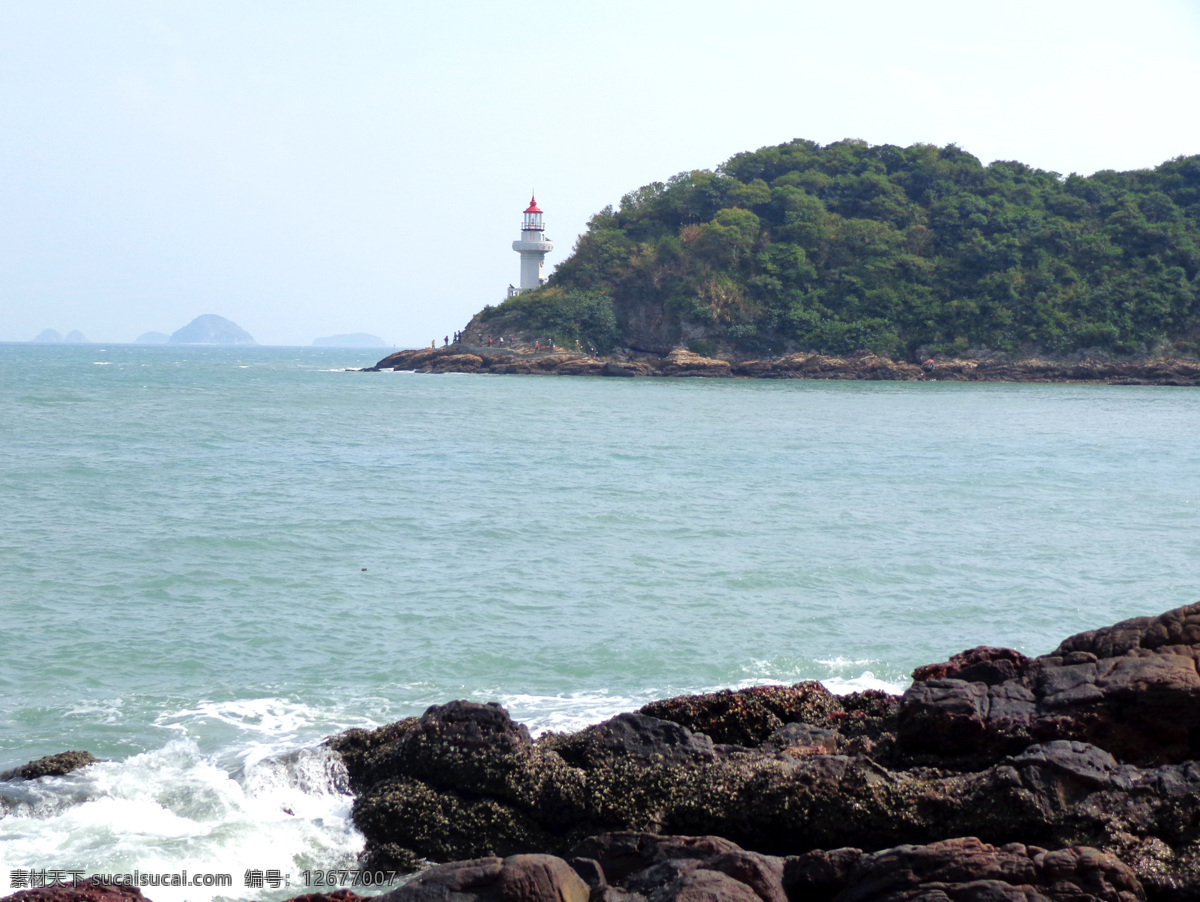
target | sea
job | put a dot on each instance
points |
(212, 559)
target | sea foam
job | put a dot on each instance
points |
(172, 810)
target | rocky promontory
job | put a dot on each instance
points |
(468, 358)
(996, 776)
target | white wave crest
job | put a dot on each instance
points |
(172, 810)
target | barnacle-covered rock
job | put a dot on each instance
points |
(1090, 746)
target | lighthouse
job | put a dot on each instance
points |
(533, 247)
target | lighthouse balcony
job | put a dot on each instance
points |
(543, 247)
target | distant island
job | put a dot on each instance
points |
(53, 336)
(909, 253)
(211, 329)
(351, 340)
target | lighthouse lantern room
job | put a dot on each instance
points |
(533, 247)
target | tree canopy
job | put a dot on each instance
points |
(900, 250)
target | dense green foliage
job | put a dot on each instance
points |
(554, 314)
(900, 250)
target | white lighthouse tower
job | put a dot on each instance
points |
(533, 247)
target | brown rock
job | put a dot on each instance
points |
(615, 894)
(540, 878)
(456, 363)
(408, 360)
(969, 869)
(703, 885)
(518, 878)
(636, 736)
(748, 716)
(756, 369)
(1178, 627)
(983, 664)
(463, 880)
(681, 362)
(799, 739)
(631, 368)
(762, 873)
(623, 853)
(1132, 688)
(819, 874)
(649, 881)
(580, 366)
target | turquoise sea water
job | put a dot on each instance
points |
(212, 558)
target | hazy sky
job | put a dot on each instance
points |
(313, 168)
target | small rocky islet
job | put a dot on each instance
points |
(996, 777)
(864, 365)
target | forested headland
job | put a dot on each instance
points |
(903, 251)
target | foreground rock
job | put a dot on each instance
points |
(520, 877)
(50, 766)
(631, 867)
(463, 358)
(639, 866)
(1132, 689)
(85, 891)
(1093, 746)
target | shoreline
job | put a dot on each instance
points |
(1072, 776)
(862, 366)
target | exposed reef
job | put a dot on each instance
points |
(461, 358)
(50, 766)
(995, 776)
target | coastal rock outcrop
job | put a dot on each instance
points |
(864, 366)
(50, 766)
(639, 866)
(518, 878)
(643, 867)
(1070, 777)
(681, 362)
(989, 760)
(86, 891)
(1132, 688)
